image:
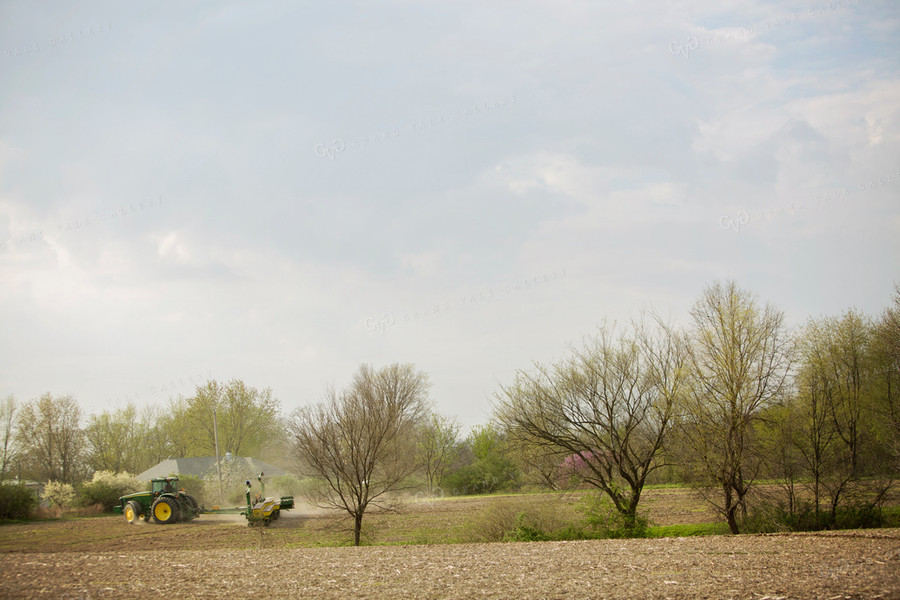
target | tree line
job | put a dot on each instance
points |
(730, 400)
(49, 438)
(733, 399)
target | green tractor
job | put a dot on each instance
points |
(164, 503)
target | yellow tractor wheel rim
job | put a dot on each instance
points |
(162, 511)
(129, 514)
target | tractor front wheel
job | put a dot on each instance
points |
(165, 510)
(132, 511)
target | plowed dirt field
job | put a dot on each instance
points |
(218, 556)
(855, 565)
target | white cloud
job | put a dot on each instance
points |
(423, 264)
(172, 246)
(263, 261)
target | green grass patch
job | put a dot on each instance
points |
(891, 516)
(718, 528)
(666, 486)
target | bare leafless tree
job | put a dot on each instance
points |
(360, 443)
(538, 467)
(610, 404)
(740, 358)
(438, 444)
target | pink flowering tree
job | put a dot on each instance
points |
(575, 466)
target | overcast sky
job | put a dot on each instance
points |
(279, 192)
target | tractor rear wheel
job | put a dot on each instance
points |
(193, 508)
(132, 511)
(165, 510)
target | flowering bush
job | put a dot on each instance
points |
(124, 480)
(58, 493)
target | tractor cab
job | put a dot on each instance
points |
(163, 485)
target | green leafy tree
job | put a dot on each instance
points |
(886, 380)
(740, 356)
(153, 443)
(51, 439)
(113, 440)
(845, 446)
(780, 433)
(127, 439)
(247, 418)
(9, 447)
(485, 440)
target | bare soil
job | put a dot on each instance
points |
(857, 565)
(219, 556)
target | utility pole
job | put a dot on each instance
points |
(218, 463)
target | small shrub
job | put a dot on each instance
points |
(42, 514)
(484, 476)
(495, 521)
(99, 493)
(573, 532)
(512, 520)
(526, 530)
(770, 517)
(859, 516)
(602, 516)
(16, 502)
(891, 516)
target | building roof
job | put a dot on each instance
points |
(198, 466)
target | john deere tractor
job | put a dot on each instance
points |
(164, 503)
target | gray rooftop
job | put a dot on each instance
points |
(198, 466)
